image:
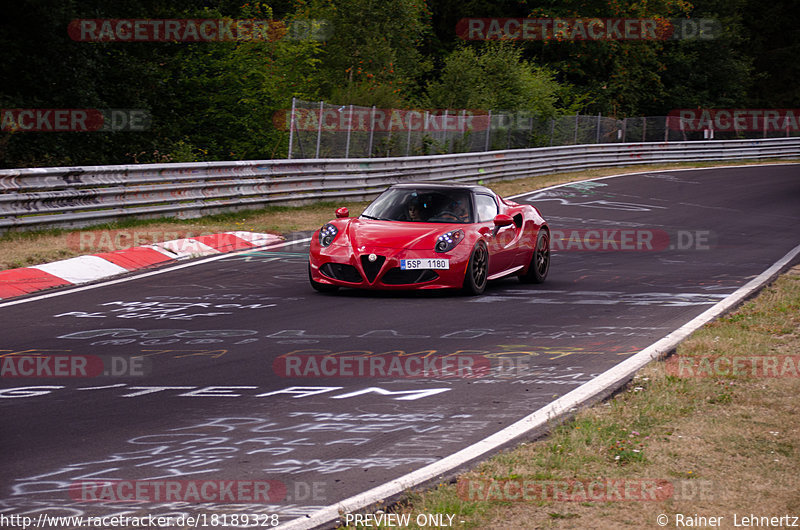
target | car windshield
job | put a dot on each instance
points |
(422, 206)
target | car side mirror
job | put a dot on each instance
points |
(503, 220)
(342, 212)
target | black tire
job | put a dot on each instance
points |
(321, 287)
(540, 261)
(477, 273)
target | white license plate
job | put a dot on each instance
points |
(424, 263)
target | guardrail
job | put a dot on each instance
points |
(82, 196)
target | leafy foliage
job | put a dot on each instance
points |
(493, 77)
(226, 100)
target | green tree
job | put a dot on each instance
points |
(371, 56)
(208, 100)
(620, 77)
(771, 38)
(493, 76)
(710, 73)
(43, 68)
(228, 94)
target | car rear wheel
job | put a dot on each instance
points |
(320, 287)
(540, 261)
(477, 270)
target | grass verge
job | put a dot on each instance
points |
(723, 446)
(23, 249)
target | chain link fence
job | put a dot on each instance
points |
(323, 130)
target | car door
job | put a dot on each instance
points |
(500, 240)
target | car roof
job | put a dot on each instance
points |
(444, 185)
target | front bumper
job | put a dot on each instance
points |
(341, 266)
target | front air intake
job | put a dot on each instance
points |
(341, 271)
(372, 268)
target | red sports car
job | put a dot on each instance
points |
(431, 236)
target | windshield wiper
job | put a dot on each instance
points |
(376, 218)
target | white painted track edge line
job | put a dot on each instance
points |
(153, 273)
(541, 417)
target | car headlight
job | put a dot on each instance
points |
(447, 242)
(327, 234)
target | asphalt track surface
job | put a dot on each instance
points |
(212, 407)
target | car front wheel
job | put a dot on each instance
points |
(477, 270)
(540, 261)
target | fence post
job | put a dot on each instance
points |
(666, 129)
(349, 128)
(644, 129)
(530, 134)
(597, 136)
(408, 138)
(425, 131)
(319, 127)
(371, 130)
(445, 131)
(575, 141)
(488, 131)
(624, 129)
(463, 126)
(552, 130)
(389, 138)
(291, 129)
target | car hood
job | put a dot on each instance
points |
(366, 233)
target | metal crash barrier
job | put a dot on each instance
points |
(38, 198)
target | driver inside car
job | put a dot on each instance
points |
(458, 209)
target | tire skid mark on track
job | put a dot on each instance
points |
(537, 353)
